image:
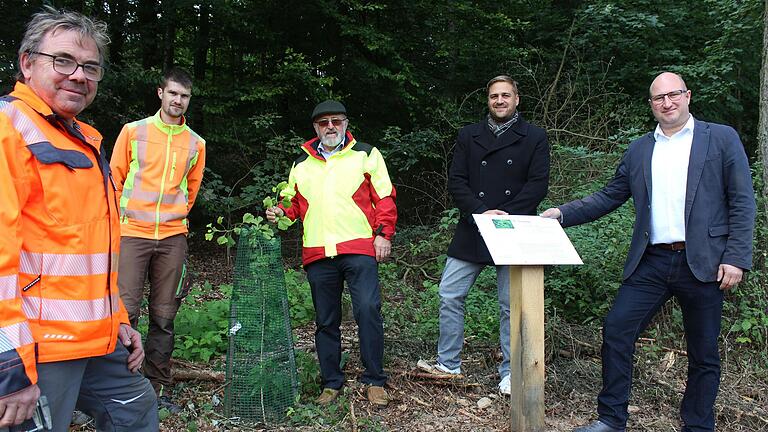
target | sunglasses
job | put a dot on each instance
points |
(327, 122)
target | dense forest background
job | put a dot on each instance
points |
(411, 73)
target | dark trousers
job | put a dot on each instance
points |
(661, 275)
(102, 387)
(164, 261)
(326, 279)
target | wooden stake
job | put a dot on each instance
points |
(526, 320)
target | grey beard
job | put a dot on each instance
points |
(332, 142)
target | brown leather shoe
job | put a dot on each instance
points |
(327, 396)
(378, 396)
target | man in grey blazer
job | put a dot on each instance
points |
(692, 240)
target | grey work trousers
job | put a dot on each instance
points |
(101, 387)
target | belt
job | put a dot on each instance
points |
(676, 246)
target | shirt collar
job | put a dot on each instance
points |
(688, 127)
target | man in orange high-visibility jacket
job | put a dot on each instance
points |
(64, 332)
(340, 189)
(158, 165)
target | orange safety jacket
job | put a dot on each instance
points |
(59, 245)
(343, 202)
(158, 169)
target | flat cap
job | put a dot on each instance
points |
(328, 107)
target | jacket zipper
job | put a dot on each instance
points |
(162, 184)
(173, 168)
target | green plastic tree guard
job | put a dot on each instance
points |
(261, 367)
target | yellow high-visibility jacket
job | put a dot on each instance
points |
(343, 202)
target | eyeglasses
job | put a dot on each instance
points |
(673, 96)
(67, 66)
(327, 122)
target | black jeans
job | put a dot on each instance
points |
(326, 279)
(661, 275)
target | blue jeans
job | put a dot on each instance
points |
(326, 280)
(661, 275)
(458, 277)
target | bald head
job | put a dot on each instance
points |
(668, 78)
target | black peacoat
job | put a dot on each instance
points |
(509, 173)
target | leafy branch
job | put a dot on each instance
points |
(251, 225)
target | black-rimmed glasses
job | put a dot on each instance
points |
(673, 96)
(67, 66)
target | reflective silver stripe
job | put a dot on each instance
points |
(9, 287)
(15, 336)
(67, 310)
(193, 139)
(46, 264)
(148, 216)
(22, 123)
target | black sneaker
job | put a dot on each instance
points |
(167, 403)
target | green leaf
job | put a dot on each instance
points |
(163, 413)
(209, 236)
(220, 220)
(248, 218)
(221, 240)
(269, 202)
(283, 223)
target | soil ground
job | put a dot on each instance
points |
(423, 404)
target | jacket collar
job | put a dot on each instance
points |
(311, 146)
(82, 131)
(26, 94)
(483, 136)
(170, 129)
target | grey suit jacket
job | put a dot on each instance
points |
(719, 201)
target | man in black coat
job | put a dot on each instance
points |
(500, 166)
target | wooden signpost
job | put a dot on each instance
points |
(526, 244)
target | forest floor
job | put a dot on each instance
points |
(423, 404)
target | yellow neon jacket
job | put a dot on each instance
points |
(158, 169)
(59, 244)
(342, 202)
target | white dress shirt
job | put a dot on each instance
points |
(669, 180)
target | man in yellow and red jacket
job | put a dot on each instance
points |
(158, 166)
(340, 189)
(63, 330)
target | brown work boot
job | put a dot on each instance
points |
(327, 396)
(378, 396)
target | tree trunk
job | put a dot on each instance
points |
(118, 17)
(149, 43)
(201, 63)
(170, 19)
(762, 126)
(762, 132)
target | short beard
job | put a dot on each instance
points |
(332, 142)
(500, 120)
